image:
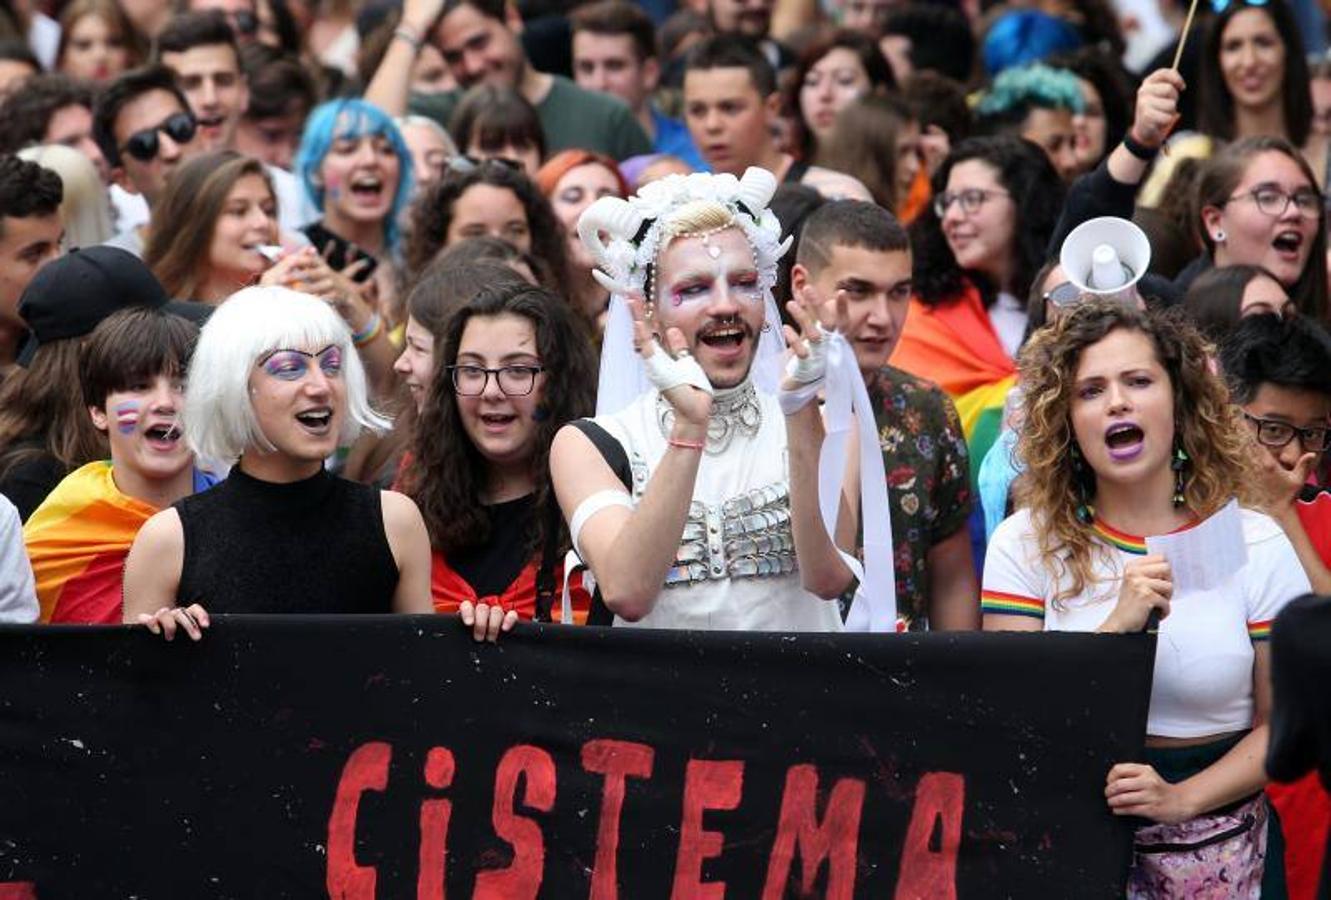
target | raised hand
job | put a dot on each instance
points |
(1279, 486)
(672, 370)
(815, 317)
(1157, 107)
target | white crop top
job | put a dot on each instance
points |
(1204, 656)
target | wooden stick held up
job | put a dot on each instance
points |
(1183, 35)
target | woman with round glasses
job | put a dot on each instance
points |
(512, 368)
(1259, 205)
(977, 249)
(1127, 433)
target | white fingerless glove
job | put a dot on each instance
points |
(808, 372)
(665, 371)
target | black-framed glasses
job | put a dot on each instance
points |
(514, 381)
(144, 145)
(1276, 434)
(1273, 201)
(970, 199)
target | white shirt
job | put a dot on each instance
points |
(18, 592)
(1008, 317)
(1204, 655)
(748, 463)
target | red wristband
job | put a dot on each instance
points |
(686, 445)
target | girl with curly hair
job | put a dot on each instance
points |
(512, 367)
(1126, 433)
(486, 198)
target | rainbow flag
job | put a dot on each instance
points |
(954, 345)
(77, 541)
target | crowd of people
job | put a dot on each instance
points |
(707, 314)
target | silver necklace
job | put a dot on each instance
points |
(733, 412)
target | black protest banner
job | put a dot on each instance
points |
(391, 757)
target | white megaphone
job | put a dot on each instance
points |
(1105, 256)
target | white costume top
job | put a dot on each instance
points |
(1204, 656)
(735, 568)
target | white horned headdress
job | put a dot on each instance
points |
(626, 237)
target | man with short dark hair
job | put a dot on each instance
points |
(1279, 372)
(614, 51)
(861, 251)
(282, 93)
(200, 48)
(479, 40)
(30, 237)
(144, 127)
(730, 102)
(50, 109)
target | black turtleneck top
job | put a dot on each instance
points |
(311, 546)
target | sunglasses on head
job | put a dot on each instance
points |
(463, 163)
(143, 145)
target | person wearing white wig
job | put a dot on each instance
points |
(275, 387)
(702, 495)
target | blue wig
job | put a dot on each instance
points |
(352, 118)
(1026, 36)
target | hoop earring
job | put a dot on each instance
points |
(1081, 474)
(1179, 464)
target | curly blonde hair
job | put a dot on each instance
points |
(1207, 424)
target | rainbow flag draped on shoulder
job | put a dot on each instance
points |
(77, 541)
(954, 345)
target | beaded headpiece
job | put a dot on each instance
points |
(626, 236)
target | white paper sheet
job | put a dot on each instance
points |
(1204, 557)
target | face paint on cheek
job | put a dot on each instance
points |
(127, 417)
(333, 185)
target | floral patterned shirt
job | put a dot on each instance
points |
(928, 479)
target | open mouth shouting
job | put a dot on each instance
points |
(367, 188)
(316, 421)
(163, 436)
(727, 339)
(496, 422)
(1125, 441)
(211, 125)
(1288, 244)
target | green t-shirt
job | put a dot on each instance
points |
(570, 116)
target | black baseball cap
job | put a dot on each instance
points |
(69, 296)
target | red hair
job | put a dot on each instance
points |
(559, 165)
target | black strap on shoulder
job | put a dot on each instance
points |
(795, 174)
(612, 451)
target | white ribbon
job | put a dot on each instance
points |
(847, 404)
(806, 371)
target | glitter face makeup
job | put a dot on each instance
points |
(699, 286)
(127, 416)
(292, 365)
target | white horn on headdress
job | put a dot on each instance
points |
(756, 189)
(613, 215)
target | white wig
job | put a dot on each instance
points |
(219, 418)
(85, 209)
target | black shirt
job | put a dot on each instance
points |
(312, 546)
